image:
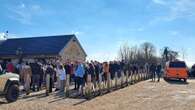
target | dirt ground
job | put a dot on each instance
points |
(146, 95)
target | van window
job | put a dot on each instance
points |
(177, 65)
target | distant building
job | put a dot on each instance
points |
(46, 47)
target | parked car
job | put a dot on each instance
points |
(9, 86)
(192, 71)
(176, 70)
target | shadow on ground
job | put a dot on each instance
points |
(177, 82)
(1, 102)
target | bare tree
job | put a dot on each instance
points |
(124, 52)
(148, 50)
(144, 54)
(169, 55)
(183, 53)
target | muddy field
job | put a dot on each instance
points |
(146, 95)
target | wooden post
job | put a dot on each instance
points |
(137, 72)
(141, 74)
(88, 89)
(100, 84)
(144, 74)
(122, 78)
(131, 80)
(116, 79)
(108, 82)
(67, 85)
(127, 77)
(47, 84)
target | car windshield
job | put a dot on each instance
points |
(177, 65)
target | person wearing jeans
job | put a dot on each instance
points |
(79, 74)
(62, 76)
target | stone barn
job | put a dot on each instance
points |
(45, 47)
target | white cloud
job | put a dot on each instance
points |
(161, 2)
(175, 33)
(22, 5)
(175, 9)
(2, 36)
(24, 13)
(182, 9)
(9, 35)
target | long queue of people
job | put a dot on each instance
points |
(36, 75)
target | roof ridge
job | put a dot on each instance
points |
(42, 36)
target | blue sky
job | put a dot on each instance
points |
(103, 25)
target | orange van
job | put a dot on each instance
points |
(176, 70)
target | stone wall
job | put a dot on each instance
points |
(72, 52)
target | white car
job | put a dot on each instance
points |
(9, 86)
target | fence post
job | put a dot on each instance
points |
(127, 77)
(100, 84)
(131, 79)
(138, 75)
(108, 82)
(67, 85)
(88, 88)
(47, 84)
(145, 73)
(122, 78)
(141, 74)
(116, 79)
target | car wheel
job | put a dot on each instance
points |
(12, 93)
(166, 79)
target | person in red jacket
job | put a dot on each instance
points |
(10, 67)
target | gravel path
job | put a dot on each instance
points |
(145, 95)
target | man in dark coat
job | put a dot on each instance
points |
(152, 71)
(36, 72)
(158, 71)
(49, 78)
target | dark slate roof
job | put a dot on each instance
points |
(47, 45)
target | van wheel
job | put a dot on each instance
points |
(166, 79)
(12, 93)
(185, 80)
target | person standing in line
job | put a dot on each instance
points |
(1, 70)
(26, 75)
(68, 70)
(79, 73)
(105, 70)
(62, 76)
(36, 69)
(49, 78)
(158, 71)
(10, 67)
(111, 69)
(92, 73)
(97, 70)
(41, 79)
(153, 70)
(106, 74)
(4, 65)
